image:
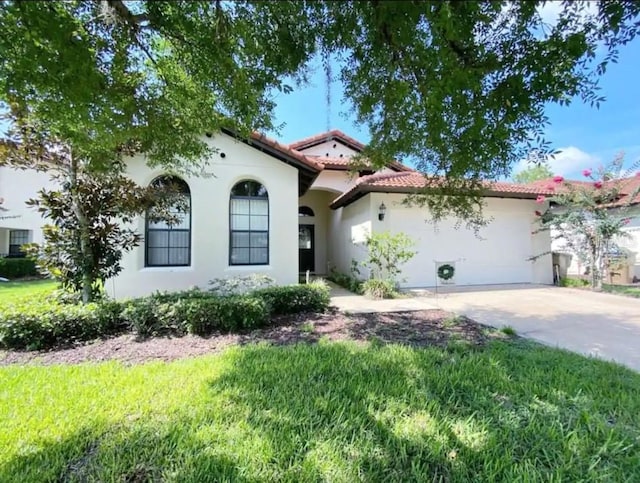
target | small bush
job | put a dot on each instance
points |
(573, 282)
(292, 299)
(379, 289)
(347, 281)
(236, 312)
(17, 268)
(42, 323)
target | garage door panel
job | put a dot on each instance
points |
(499, 255)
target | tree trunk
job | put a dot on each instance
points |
(84, 234)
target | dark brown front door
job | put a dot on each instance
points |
(306, 248)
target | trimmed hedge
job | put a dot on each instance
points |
(43, 323)
(17, 268)
(292, 299)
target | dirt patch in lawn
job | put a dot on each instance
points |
(423, 328)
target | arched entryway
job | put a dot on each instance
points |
(313, 231)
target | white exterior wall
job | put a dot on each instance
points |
(319, 202)
(499, 257)
(329, 148)
(346, 226)
(16, 187)
(210, 223)
(334, 180)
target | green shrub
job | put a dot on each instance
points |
(42, 323)
(149, 316)
(292, 299)
(347, 281)
(235, 312)
(46, 322)
(573, 282)
(379, 289)
(17, 268)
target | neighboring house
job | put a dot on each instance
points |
(630, 243)
(19, 224)
(281, 210)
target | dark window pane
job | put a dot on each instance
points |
(240, 239)
(259, 239)
(240, 256)
(166, 243)
(179, 239)
(157, 238)
(259, 255)
(248, 224)
(249, 188)
(157, 256)
(305, 211)
(178, 256)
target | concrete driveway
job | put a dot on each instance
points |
(597, 324)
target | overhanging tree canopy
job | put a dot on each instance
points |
(457, 87)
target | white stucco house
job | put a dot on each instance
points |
(282, 209)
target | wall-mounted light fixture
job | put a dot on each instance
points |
(381, 211)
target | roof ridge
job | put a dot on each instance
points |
(383, 176)
(258, 136)
(318, 138)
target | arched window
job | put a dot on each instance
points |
(249, 224)
(169, 244)
(305, 211)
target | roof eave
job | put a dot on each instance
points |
(360, 191)
(306, 173)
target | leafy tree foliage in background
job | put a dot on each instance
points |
(535, 172)
(86, 234)
(588, 217)
(459, 88)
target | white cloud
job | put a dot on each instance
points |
(550, 11)
(568, 161)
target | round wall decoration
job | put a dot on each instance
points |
(446, 271)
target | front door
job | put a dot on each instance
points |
(306, 248)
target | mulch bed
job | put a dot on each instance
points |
(423, 328)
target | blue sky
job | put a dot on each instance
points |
(586, 136)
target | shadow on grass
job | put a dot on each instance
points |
(342, 412)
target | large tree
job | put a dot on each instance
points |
(459, 88)
(534, 172)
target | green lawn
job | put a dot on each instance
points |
(513, 411)
(15, 291)
(622, 290)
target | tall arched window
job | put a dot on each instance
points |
(169, 244)
(249, 224)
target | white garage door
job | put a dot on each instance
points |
(499, 256)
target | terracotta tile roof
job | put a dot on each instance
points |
(283, 148)
(627, 186)
(345, 163)
(334, 134)
(409, 182)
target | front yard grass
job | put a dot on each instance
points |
(11, 292)
(622, 290)
(332, 411)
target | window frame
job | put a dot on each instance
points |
(169, 230)
(19, 253)
(249, 232)
(306, 215)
